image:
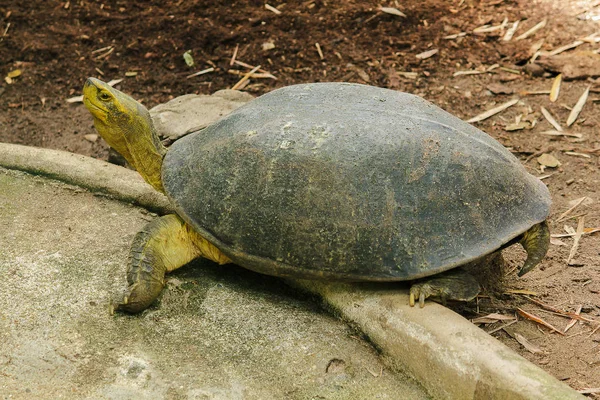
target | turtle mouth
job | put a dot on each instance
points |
(94, 108)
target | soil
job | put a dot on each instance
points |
(57, 44)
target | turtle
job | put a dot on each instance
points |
(330, 181)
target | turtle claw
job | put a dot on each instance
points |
(422, 291)
(451, 285)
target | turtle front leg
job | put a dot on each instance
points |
(164, 245)
(455, 284)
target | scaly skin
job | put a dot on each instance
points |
(166, 243)
(535, 242)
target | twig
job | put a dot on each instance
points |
(511, 31)
(318, 46)
(564, 48)
(5, 32)
(493, 111)
(532, 30)
(563, 215)
(586, 231)
(576, 154)
(559, 311)
(245, 78)
(538, 320)
(235, 51)
(580, 226)
(595, 330)
(273, 9)
(502, 327)
(256, 75)
(561, 133)
(204, 71)
(573, 320)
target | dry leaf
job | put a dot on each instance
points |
(516, 126)
(409, 75)
(426, 54)
(578, 107)
(557, 242)
(76, 99)
(548, 160)
(530, 347)
(268, 46)
(493, 111)
(551, 119)
(555, 91)
(492, 318)
(393, 11)
(498, 88)
(14, 73)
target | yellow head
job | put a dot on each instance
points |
(126, 126)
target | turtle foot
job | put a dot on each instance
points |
(137, 298)
(451, 285)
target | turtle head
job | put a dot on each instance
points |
(126, 126)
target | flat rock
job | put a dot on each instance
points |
(192, 112)
(217, 333)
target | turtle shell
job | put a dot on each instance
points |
(350, 182)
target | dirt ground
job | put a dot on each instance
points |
(49, 48)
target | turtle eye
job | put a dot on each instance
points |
(104, 96)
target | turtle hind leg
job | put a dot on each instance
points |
(535, 242)
(164, 245)
(455, 284)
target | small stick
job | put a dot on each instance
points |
(318, 46)
(511, 31)
(256, 75)
(551, 119)
(575, 154)
(532, 30)
(273, 9)
(586, 231)
(573, 320)
(5, 32)
(580, 226)
(563, 215)
(470, 72)
(502, 327)
(493, 111)
(101, 50)
(204, 71)
(561, 133)
(564, 48)
(578, 107)
(535, 92)
(235, 51)
(455, 36)
(104, 55)
(595, 330)
(538, 320)
(245, 78)
(559, 311)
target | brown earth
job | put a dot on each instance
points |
(56, 45)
